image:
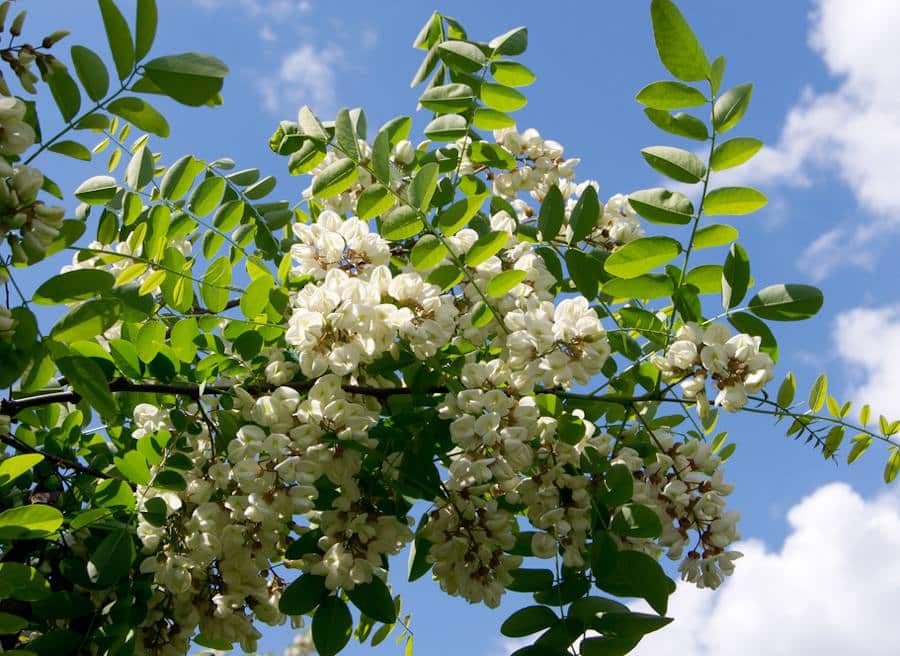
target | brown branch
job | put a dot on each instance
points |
(18, 445)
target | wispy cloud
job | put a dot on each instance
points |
(305, 76)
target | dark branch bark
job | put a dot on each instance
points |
(18, 445)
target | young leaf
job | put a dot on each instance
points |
(678, 47)
(141, 114)
(504, 281)
(214, 290)
(119, 36)
(512, 74)
(486, 246)
(818, 393)
(502, 98)
(716, 234)
(787, 390)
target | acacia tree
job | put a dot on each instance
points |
(247, 407)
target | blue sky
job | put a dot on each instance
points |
(826, 104)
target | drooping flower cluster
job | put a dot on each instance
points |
(684, 485)
(735, 363)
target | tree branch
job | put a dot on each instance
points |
(18, 445)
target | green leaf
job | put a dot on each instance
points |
(335, 178)
(141, 114)
(676, 163)
(647, 286)
(29, 522)
(642, 255)
(22, 582)
(528, 620)
(71, 149)
(833, 441)
(504, 281)
(10, 624)
(707, 278)
(586, 271)
(179, 178)
(332, 626)
(124, 354)
(636, 521)
(510, 43)
(150, 337)
(735, 276)
(530, 580)
(119, 36)
(680, 123)
(87, 320)
(512, 74)
(112, 560)
(13, 467)
(502, 98)
(891, 468)
(182, 338)
(716, 73)
(491, 119)
(256, 297)
(140, 169)
(65, 92)
(448, 127)
(98, 190)
(303, 595)
(428, 252)
(787, 390)
(585, 214)
(617, 487)
(145, 28)
(422, 187)
(445, 276)
(552, 213)
(374, 201)
(818, 393)
(789, 302)
(401, 223)
(861, 444)
(670, 95)
(731, 106)
(679, 50)
(191, 78)
(461, 56)
(207, 196)
(486, 246)
(631, 625)
(86, 377)
(345, 135)
(262, 188)
(133, 467)
(734, 152)
(733, 201)
(448, 98)
(374, 599)
(71, 286)
(492, 155)
(662, 206)
(716, 234)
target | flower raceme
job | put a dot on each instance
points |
(449, 346)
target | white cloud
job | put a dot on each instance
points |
(853, 130)
(838, 249)
(306, 76)
(868, 341)
(831, 590)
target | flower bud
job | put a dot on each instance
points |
(27, 182)
(16, 28)
(544, 545)
(56, 37)
(404, 153)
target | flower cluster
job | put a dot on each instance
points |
(734, 362)
(683, 484)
